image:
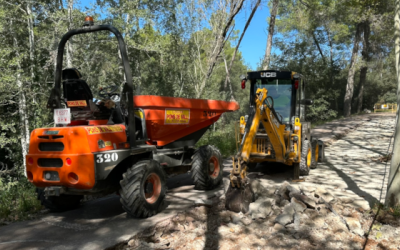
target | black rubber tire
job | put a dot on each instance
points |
(132, 191)
(60, 203)
(203, 178)
(321, 151)
(314, 157)
(305, 148)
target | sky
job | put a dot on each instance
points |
(254, 41)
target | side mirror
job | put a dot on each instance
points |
(307, 102)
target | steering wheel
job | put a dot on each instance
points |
(109, 91)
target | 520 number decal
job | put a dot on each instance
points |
(106, 157)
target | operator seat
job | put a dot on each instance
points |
(76, 89)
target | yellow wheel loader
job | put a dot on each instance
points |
(275, 130)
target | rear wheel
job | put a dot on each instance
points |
(207, 168)
(60, 203)
(306, 156)
(143, 189)
(314, 152)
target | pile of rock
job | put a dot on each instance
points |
(301, 208)
(282, 217)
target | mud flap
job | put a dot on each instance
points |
(239, 199)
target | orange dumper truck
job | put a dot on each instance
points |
(126, 144)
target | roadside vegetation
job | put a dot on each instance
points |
(17, 200)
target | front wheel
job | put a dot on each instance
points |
(207, 168)
(314, 154)
(321, 151)
(143, 189)
(60, 203)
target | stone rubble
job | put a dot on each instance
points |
(282, 217)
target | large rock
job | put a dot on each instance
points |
(283, 191)
(292, 189)
(305, 199)
(289, 209)
(298, 205)
(261, 208)
(325, 195)
(283, 203)
(287, 215)
(284, 219)
(257, 188)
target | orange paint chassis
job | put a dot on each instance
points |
(86, 154)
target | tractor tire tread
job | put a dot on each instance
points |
(314, 163)
(131, 193)
(200, 168)
(304, 169)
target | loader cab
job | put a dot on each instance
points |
(286, 89)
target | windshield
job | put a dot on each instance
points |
(281, 92)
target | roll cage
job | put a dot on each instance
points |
(54, 101)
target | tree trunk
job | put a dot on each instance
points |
(319, 47)
(228, 70)
(366, 59)
(31, 41)
(219, 44)
(69, 46)
(350, 77)
(22, 110)
(393, 188)
(271, 29)
(331, 73)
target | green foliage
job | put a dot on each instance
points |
(17, 200)
(320, 110)
(223, 139)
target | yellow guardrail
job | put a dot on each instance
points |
(385, 107)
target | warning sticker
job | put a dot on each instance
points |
(103, 129)
(77, 103)
(174, 116)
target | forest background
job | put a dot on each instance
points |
(188, 48)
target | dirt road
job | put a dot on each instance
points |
(352, 170)
(353, 166)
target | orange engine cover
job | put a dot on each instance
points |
(69, 152)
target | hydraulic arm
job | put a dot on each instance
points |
(279, 147)
(263, 113)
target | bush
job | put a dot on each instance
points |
(17, 199)
(320, 111)
(223, 139)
